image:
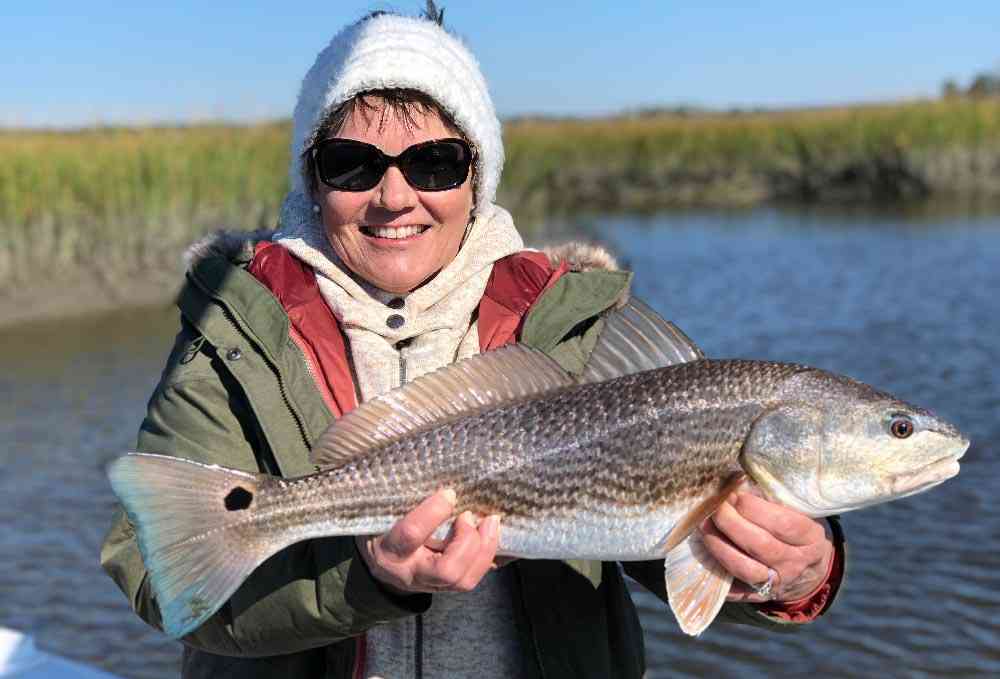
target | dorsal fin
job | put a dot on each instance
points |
(491, 380)
(636, 338)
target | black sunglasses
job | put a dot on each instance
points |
(349, 165)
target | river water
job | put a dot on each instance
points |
(907, 304)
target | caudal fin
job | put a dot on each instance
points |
(191, 521)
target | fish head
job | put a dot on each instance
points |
(832, 444)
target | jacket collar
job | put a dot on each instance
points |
(217, 263)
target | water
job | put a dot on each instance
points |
(907, 305)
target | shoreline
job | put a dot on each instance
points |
(890, 177)
(87, 216)
(83, 294)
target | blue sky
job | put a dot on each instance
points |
(73, 63)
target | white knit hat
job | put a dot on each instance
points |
(389, 51)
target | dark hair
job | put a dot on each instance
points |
(403, 104)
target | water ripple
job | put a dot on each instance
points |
(912, 311)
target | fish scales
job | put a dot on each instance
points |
(623, 467)
(623, 448)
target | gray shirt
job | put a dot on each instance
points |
(462, 635)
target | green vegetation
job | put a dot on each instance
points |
(121, 200)
(877, 153)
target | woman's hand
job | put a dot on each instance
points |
(748, 535)
(407, 559)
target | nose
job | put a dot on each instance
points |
(393, 193)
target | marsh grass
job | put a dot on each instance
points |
(121, 199)
(704, 147)
(756, 136)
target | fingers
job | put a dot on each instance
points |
(411, 532)
(489, 534)
(734, 560)
(448, 568)
(785, 524)
(409, 559)
(467, 557)
(748, 536)
(463, 571)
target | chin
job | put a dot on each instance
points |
(394, 287)
(397, 284)
(401, 280)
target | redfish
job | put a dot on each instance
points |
(620, 463)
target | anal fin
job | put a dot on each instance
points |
(697, 584)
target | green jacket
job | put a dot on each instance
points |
(236, 392)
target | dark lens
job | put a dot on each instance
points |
(437, 166)
(349, 166)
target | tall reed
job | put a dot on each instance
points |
(701, 148)
(122, 199)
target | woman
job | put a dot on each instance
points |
(392, 261)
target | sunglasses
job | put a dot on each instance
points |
(349, 165)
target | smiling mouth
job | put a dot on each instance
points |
(394, 232)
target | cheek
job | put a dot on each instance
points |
(341, 212)
(851, 471)
(451, 209)
(342, 207)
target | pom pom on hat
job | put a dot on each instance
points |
(389, 51)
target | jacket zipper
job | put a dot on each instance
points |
(418, 640)
(418, 648)
(399, 346)
(321, 386)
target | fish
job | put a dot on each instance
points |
(622, 462)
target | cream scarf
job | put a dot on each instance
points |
(437, 326)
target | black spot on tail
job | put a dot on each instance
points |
(238, 498)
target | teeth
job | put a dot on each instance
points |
(394, 231)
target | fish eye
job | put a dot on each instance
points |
(901, 426)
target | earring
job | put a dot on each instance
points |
(315, 208)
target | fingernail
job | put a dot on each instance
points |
(493, 525)
(450, 496)
(467, 518)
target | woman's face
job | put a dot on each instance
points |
(394, 236)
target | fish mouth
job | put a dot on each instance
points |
(930, 475)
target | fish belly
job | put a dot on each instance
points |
(589, 535)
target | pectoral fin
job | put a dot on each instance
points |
(697, 584)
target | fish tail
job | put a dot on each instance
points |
(191, 521)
